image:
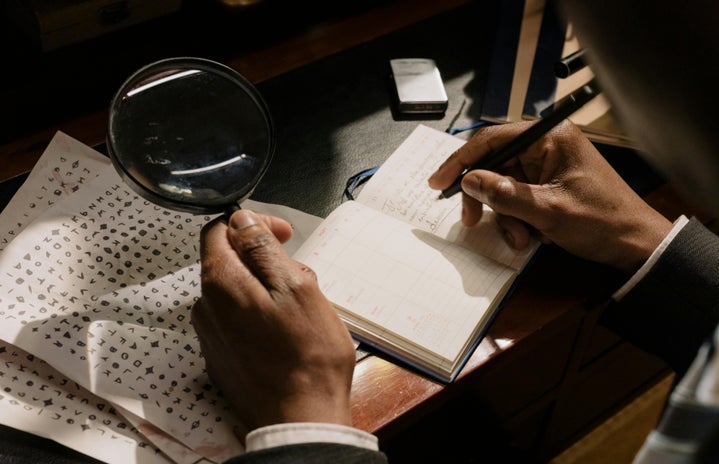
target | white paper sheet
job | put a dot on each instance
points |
(63, 168)
(35, 397)
(100, 285)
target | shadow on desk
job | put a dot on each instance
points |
(462, 432)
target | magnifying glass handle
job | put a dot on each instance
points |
(230, 210)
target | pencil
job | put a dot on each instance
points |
(564, 108)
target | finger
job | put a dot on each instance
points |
(451, 168)
(213, 239)
(222, 270)
(484, 141)
(204, 322)
(507, 196)
(516, 232)
(461, 159)
(279, 227)
(471, 210)
(259, 250)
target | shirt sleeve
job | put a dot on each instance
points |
(646, 267)
(308, 432)
(670, 306)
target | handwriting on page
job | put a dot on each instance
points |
(398, 277)
(101, 288)
(400, 188)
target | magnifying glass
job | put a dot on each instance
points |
(190, 134)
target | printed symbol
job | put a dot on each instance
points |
(67, 187)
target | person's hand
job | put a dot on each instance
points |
(272, 342)
(560, 189)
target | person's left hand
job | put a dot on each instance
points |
(272, 342)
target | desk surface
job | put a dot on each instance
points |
(326, 87)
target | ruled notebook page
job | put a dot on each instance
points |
(408, 284)
(404, 272)
(400, 189)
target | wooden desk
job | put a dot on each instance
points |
(544, 374)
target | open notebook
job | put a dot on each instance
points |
(405, 275)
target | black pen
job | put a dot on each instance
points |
(570, 64)
(562, 110)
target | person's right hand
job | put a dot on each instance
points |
(272, 342)
(560, 188)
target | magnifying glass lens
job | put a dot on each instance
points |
(190, 134)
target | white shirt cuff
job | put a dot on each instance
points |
(308, 432)
(639, 275)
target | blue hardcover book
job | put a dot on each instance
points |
(500, 72)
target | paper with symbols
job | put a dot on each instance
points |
(100, 286)
(37, 398)
(33, 396)
(63, 168)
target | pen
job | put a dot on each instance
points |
(570, 64)
(563, 109)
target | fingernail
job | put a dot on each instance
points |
(509, 238)
(471, 184)
(242, 219)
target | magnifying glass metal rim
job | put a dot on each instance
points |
(204, 65)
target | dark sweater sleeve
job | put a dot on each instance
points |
(675, 307)
(312, 453)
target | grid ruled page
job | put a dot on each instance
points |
(411, 283)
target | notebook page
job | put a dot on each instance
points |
(399, 189)
(413, 284)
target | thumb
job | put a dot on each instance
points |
(504, 194)
(258, 249)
